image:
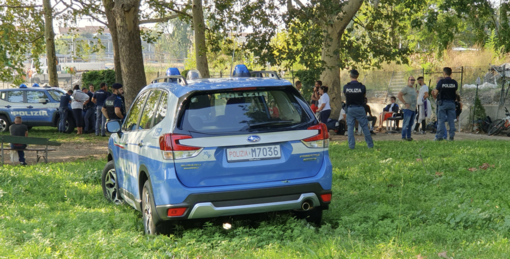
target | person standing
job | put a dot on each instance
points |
(315, 94)
(20, 130)
(114, 108)
(91, 88)
(446, 92)
(424, 107)
(299, 86)
(63, 110)
(89, 108)
(408, 97)
(324, 107)
(98, 98)
(354, 96)
(79, 98)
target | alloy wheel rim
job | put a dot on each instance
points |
(3, 125)
(110, 184)
(147, 211)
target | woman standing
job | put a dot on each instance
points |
(79, 98)
(324, 107)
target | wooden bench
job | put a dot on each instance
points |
(41, 152)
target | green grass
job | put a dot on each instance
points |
(53, 134)
(386, 204)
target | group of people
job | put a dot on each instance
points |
(91, 109)
(417, 104)
(416, 107)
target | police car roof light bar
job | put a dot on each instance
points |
(259, 74)
(180, 78)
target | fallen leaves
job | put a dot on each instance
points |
(420, 256)
(484, 166)
(439, 174)
(418, 159)
(443, 254)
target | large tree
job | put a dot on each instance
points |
(49, 37)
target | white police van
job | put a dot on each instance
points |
(209, 148)
(37, 107)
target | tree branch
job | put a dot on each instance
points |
(174, 10)
(155, 20)
(21, 6)
(36, 39)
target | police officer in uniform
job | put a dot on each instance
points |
(99, 98)
(446, 91)
(114, 108)
(63, 110)
(355, 109)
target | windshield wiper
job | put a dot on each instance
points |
(269, 123)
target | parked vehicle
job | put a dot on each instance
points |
(36, 106)
(500, 125)
(215, 147)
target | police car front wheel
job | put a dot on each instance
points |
(110, 184)
(4, 124)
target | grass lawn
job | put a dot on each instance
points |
(53, 134)
(402, 199)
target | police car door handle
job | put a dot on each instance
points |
(140, 144)
(7, 106)
(30, 107)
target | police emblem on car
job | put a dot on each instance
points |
(254, 138)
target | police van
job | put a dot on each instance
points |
(36, 106)
(209, 148)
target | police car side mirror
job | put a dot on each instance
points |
(113, 126)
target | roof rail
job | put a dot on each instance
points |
(259, 74)
(180, 79)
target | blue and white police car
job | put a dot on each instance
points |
(37, 107)
(209, 148)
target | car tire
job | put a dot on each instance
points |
(313, 216)
(110, 184)
(4, 123)
(148, 210)
(69, 125)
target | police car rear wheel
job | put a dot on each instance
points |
(109, 183)
(148, 210)
(4, 124)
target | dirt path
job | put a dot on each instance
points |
(382, 136)
(98, 149)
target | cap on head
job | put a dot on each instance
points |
(117, 86)
(354, 73)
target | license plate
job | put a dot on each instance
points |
(253, 153)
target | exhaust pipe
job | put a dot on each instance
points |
(306, 206)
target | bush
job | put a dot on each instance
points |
(96, 77)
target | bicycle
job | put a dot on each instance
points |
(500, 124)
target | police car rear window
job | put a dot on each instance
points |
(242, 111)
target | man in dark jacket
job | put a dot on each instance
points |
(388, 111)
(63, 110)
(20, 130)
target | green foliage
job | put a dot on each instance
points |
(97, 77)
(387, 203)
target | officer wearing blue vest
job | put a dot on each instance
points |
(446, 92)
(63, 110)
(114, 108)
(355, 109)
(99, 98)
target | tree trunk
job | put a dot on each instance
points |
(112, 26)
(130, 47)
(49, 36)
(331, 57)
(200, 47)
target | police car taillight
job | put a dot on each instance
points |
(320, 140)
(172, 149)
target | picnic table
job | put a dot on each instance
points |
(41, 152)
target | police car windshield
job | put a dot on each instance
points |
(242, 111)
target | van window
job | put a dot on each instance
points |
(15, 96)
(161, 111)
(36, 96)
(131, 122)
(149, 112)
(242, 111)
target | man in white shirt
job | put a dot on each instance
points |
(424, 107)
